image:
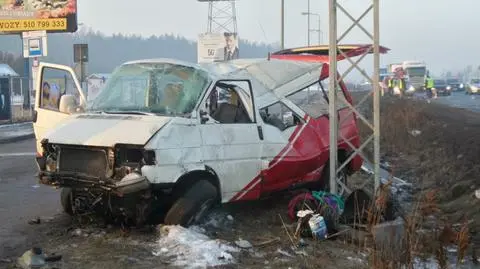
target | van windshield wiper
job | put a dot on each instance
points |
(128, 112)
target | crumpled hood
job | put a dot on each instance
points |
(106, 130)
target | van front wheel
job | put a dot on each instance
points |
(66, 200)
(192, 206)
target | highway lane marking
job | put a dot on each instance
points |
(18, 154)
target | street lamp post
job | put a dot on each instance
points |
(319, 30)
(308, 24)
(282, 28)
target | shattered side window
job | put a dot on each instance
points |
(280, 116)
(314, 99)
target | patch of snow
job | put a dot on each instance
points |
(452, 249)
(415, 132)
(430, 263)
(359, 260)
(217, 219)
(243, 243)
(190, 248)
(285, 253)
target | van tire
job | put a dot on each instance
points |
(193, 205)
(66, 200)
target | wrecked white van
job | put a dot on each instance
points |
(183, 137)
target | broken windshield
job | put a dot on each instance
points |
(160, 88)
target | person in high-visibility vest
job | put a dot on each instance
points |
(390, 85)
(401, 84)
(429, 85)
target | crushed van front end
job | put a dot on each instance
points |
(99, 179)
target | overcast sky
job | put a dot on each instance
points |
(439, 32)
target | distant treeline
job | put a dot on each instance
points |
(107, 52)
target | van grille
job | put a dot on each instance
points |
(91, 162)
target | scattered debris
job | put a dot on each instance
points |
(33, 258)
(318, 227)
(284, 253)
(53, 258)
(78, 232)
(268, 242)
(302, 243)
(415, 132)
(243, 243)
(304, 213)
(132, 260)
(36, 186)
(477, 194)
(5, 261)
(230, 218)
(34, 221)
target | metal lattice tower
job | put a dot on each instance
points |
(334, 40)
(222, 16)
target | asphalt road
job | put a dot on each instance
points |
(461, 100)
(21, 198)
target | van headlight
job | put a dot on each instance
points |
(461, 86)
(449, 88)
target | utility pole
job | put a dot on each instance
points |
(282, 27)
(336, 164)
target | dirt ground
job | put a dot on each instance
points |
(436, 147)
(258, 222)
(433, 146)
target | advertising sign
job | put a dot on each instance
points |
(94, 85)
(34, 44)
(214, 47)
(18, 16)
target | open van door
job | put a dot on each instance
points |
(58, 94)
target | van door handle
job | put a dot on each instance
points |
(260, 132)
(35, 116)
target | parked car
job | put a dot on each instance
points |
(473, 86)
(441, 87)
(156, 138)
(455, 84)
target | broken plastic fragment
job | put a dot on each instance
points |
(304, 213)
(33, 258)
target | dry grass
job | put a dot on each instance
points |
(436, 148)
(415, 242)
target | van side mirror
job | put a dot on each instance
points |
(203, 116)
(67, 104)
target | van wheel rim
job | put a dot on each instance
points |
(201, 212)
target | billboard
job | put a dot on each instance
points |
(18, 16)
(215, 47)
